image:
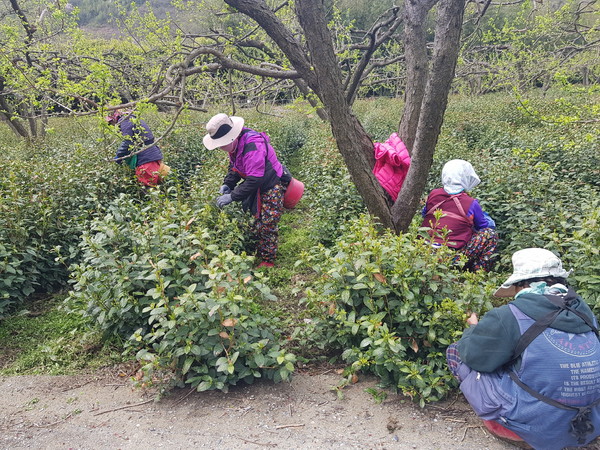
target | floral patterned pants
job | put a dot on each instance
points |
(265, 228)
(480, 250)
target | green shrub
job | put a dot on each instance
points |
(47, 193)
(330, 196)
(177, 285)
(392, 304)
(379, 116)
(580, 250)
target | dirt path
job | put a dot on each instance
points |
(106, 412)
(86, 412)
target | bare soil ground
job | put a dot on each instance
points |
(104, 411)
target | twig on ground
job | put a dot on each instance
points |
(438, 407)
(245, 410)
(447, 419)
(124, 407)
(466, 429)
(184, 397)
(291, 412)
(293, 425)
(64, 419)
(268, 444)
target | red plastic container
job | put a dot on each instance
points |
(293, 193)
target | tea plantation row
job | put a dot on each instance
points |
(168, 274)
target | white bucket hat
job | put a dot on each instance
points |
(532, 263)
(222, 130)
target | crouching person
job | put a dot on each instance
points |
(531, 369)
(471, 231)
(138, 149)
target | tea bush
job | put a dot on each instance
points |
(169, 275)
(581, 248)
(391, 305)
(330, 196)
(47, 193)
(379, 116)
(177, 285)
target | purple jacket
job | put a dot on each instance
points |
(255, 161)
(137, 135)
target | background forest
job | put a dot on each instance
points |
(92, 270)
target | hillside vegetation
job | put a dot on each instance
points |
(166, 276)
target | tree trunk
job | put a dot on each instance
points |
(311, 99)
(352, 140)
(6, 114)
(14, 125)
(445, 55)
(415, 54)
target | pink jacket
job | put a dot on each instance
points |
(391, 164)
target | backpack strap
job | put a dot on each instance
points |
(564, 304)
(531, 333)
(462, 216)
(581, 425)
(459, 206)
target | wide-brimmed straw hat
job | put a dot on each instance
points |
(222, 130)
(532, 263)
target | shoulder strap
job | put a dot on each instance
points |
(531, 333)
(459, 206)
(436, 206)
(462, 216)
(563, 303)
(581, 425)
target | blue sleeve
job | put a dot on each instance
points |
(491, 222)
(123, 149)
(479, 219)
(126, 128)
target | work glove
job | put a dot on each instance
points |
(224, 200)
(224, 189)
